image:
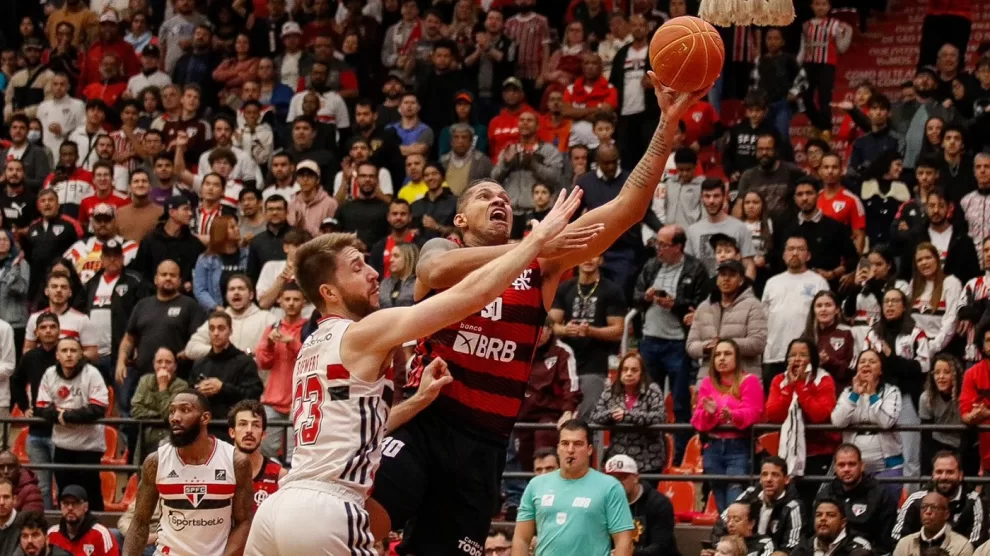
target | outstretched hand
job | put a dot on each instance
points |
(557, 220)
(674, 104)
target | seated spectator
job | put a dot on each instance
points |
(255, 136)
(870, 148)
(775, 495)
(231, 74)
(773, 176)
(742, 519)
(965, 509)
(15, 274)
(842, 205)
(883, 193)
(864, 301)
(397, 289)
(276, 354)
(831, 533)
(226, 375)
(79, 532)
(139, 218)
(936, 531)
(728, 396)
(650, 509)
(911, 218)
(803, 395)
(347, 184)
(633, 399)
(935, 299)
(154, 392)
(564, 65)
(976, 204)
(590, 93)
(248, 321)
(34, 536)
(26, 494)
(836, 346)
(223, 258)
(873, 401)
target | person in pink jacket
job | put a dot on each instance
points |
(728, 397)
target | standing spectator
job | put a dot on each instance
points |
(104, 198)
(728, 396)
(531, 31)
(30, 85)
(652, 512)
(365, 213)
(227, 375)
(774, 178)
(248, 321)
(702, 234)
(492, 61)
(72, 396)
(399, 222)
(633, 399)
(590, 94)
(804, 394)
(439, 86)
(85, 136)
(170, 240)
(678, 198)
(976, 204)
(60, 114)
(397, 289)
(231, 73)
(840, 204)
(154, 392)
(883, 193)
(312, 204)
(939, 403)
(304, 148)
(731, 312)
(526, 162)
(564, 65)
(504, 128)
(740, 151)
(77, 14)
(150, 75)
(415, 137)
(823, 39)
(19, 205)
(588, 313)
(934, 298)
(223, 258)
(835, 342)
(140, 217)
(109, 42)
(779, 74)
(59, 293)
(79, 532)
(283, 184)
(590, 533)
(70, 182)
(196, 65)
(252, 220)
(401, 38)
(279, 273)
(831, 533)
(35, 165)
(345, 183)
(948, 236)
(254, 136)
(956, 164)
(276, 353)
(267, 245)
(464, 164)
(935, 531)
(787, 300)
(881, 139)
(864, 301)
(15, 274)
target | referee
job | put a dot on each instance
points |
(574, 510)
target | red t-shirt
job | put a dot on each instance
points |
(116, 199)
(844, 207)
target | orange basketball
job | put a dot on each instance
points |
(687, 54)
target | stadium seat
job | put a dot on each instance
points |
(692, 462)
(668, 404)
(130, 492)
(682, 496)
(110, 456)
(111, 408)
(108, 489)
(20, 446)
(768, 443)
(709, 516)
(669, 442)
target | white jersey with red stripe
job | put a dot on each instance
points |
(339, 419)
(87, 254)
(196, 502)
(72, 324)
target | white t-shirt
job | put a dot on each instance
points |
(384, 181)
(100, 314)
(266, 279)
(333, 109)
(787, 300)
(633, 99)
(941, 241)
(72, 324)
(85, 388)
(69, 113)
(287, 193)
(140, 81)
(15, 153)
(289, 72)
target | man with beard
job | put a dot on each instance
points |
(79, 532)
(954, 245)
(34, 537)
(248, 321)
(464, 164)
(284, 184)
(304, 147)
(344, 370)
(111, 85)
(773, 178)
(35, 166)
(267, 245)
(492, 61)
(831, 536)
(197, 64)
(18, 204)
(366, 213)
(189, 123)
(345, 183)
(384, 142)
(204, 485)
(70, 183)
(104, 193)
(399, 220)
(28, 87)
(868, 505)
(248, 426)
(781, 515)
(163, 320)
(172, 240)
(716, 222)
(27, 495)
(245, 169)
(332, 108)
(504, 128)
(652, 512)
(393, 90)
(966, 511)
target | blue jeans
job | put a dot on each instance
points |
(730, 456)
(780, 115)
(513, 487)
(669, 358)
(41, 450)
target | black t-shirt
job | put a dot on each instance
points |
(18, 210)
(592, 304)
(155, 324)
(231, 265)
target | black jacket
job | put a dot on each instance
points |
(618, 80)
(265, 247)
(870, 511)
(653, 520)
(848, 546)
(28, 373)
(787, 521)
(968, 516)
(829, 241)
(43, 245)
(159, 246)
(759, 545)
(692, 287)
(130, 289)
(960, 262)
(903, 242)
(740, 152)
(236, 370)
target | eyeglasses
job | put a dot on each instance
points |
(932, 508)
(7, 467)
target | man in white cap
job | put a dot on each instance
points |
(653, 514)
(295, 61)
(312, 205)
(109, 42)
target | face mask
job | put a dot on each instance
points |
(34, 136)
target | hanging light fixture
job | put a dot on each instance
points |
(726, 13)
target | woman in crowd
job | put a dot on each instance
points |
(939, 405)
(872, 402)
(397, 289)
(872, 279)
(883, 193)
(932, 145)
(461, 29)
(223, 258)
(907, 360)
(153, 394)
(565, 65)
(761, 228)
(732, 397)
(15, 275)
(151, 106)
(804, 395)
(836, 346)
(934, 299)
(236, 69)
(634, 399)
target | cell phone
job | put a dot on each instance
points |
(277, 324)
(707, 545)
(663, 293)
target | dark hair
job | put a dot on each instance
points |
(143, 171)
(957, 372)
(849, 447)
(243, 278)
(202, 400)
(753, 507)
(254, 406)
(811, 326)
(953, 127)
(945, 454)
(756, 98)
(48, 192)
(105, 164)
(711, 184)
(766, 233)
(685, 155)
(679, 237)
(816, 142)
(815, 360)
(776, 461)
(618, 389)
(248, 191)
(286, 154)
(928, 160)
(400, 201)
(71, 144)
(541, 453)
(885, 253)
(22, 119)
(832, 501)
(577, 425)
(296, 236)
(224, 153)
(879, 100)
(218, 314)
(32, 520)
(366, 103)
(304, 120)
(276, 198)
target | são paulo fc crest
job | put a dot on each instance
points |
(195, 494)
(837, 343)
(89, 549)
(858, 509)
(121, 290)
(837, 206)
(550, 361)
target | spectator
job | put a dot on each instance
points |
(111, 85)
(464, 164)
(975, 205)
(60, 114)
(231, 74)
(637, 106)
(498, 543)
(864, 301)
(83, 20)
(948, 236)
(802, 395)
(19, 206)
(934, 298)
(589, 94)
(276, 353)
(58, 291)
(522, 164)
(955, 166)
(434, 212)
(731, 312)
(651, 510)
(195, 65)
(25, 494)
(104, 196)
(140, 217)
(317, 101)
(438, 87)
(153, 394)
(740, 151)
(965, 507)
(399, 221)
(678, 198)
(840, 204)
(34, 537)
(312, 204)
(243, 169)
(754, 216)
(881, 139)
(227, 375)
(940, 404)
(588, 313)
(633, 399)
(70, 183)
(742, 519)
(248, 321)
(397, 289)
(283, 183)
(255, 136)
(831, 533)
(503, 130)
(15, 275)
(75, 435)
(782, 77)
(345, 183)
(714, 223)
(150, 75)
(730, 545)
(935, 531)
(776, 497)
(252, 221)
(774, 178)
(35, 164)
(728, 396)
(883, 193)
(170, 240)
(464, 116)
(835, 342)
(79, 532)
(30, 86)
(223, 258)
(415, 136)
(278, 273)
(86, 135)
(109, 42)
(564, 65)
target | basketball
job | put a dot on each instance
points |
(687, 54)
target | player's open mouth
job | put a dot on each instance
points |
(499, 214)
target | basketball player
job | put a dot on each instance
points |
(204, 486)
(247, 425)
(343, 386)
(446, 464)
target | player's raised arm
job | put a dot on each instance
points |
(147, 499)
(243, 506)
(383, 330)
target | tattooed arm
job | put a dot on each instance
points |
(628, 209)
(137, 538)
(243, 506)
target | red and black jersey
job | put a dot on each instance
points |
(266, 481)
(490, 356)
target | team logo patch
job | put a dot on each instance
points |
(561, 518)
(174, 311)
(172, 475)
(89, 549)
(260, 497)
(550, 361)
(220, 474)
(121, 290)
(837, 206)
(858, 509)
(63, 392)
(546, 500)
(837, 343)
(195, 493)
(58, 229)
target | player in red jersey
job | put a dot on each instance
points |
(443, 461)
(247, 423)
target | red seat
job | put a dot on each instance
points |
(681, 495)
(20, 446)
(130, 493)
(669, 442)
(110, 455)
(768, 443)
(692, 463)
(16, 412)
(709, 516)
(108, 488)
(668, 404)
(110, 402)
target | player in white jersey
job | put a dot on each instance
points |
(343, 383)
(204, 487)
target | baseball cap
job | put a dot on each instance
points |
(111, 248)
(463, 96)
(291, 28)
(151, 51)
(722, 238)
(176, 201)
(396, 75)
(75, 491)
(922, 70)
(330, 222)
(621, 463)
(33, 42)
(732, 265)
(308, 165)
(512, 82)
(47, 316)
(109, 16)
(104, 210)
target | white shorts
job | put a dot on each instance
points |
(310, 518)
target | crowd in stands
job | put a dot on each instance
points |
(162, 160)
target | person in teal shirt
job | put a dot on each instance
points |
(574, 510)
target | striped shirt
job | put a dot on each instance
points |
(820, 41)
(745, 44)
(532, 33)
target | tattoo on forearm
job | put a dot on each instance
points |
(649, 169)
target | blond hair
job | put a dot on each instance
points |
(316, 264)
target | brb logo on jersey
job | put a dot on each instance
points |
(485, 347)
(195, 494)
